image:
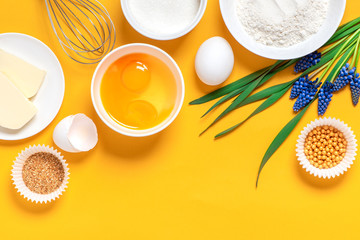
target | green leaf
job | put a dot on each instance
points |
(237, 101)
(348, 24)
(273, 89)
(344, 30)
(344, 34)
(242, 96)
(224, 99)
(237, 92)
(269, 91)
(266, 93)
(230, 87)
(264, 78)
(340, 63)
(286, 65)
(269, 102)
(279, 139)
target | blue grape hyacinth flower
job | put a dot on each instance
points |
(325, 95)
(307, 61)
(345, 76)
(307, 95)
(297, 87)
(355, 89)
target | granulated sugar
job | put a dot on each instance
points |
(164, 16)
(282, 23)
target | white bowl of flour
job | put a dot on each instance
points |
(282, 29)
(163, 19)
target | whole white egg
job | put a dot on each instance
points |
(214, 61)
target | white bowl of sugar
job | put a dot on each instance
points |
(282, 29)
(163, 19)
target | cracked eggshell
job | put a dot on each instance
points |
(76, 133)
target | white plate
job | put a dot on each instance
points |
(50, 96)
(335, 15)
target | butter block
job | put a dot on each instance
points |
(24, 75)
(15, 109)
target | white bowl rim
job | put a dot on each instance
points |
(270, 51)
(140, 133)
(129, 17)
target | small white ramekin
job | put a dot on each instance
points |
(19, 182)
(143, 31)
(114, 56)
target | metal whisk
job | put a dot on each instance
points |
(83, 27)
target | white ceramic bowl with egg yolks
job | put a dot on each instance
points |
(119, 53)
(145, 32)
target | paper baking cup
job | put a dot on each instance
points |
(349, 155)
(19, 182)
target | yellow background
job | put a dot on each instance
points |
(176, 185)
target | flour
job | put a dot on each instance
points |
(164, 16)
(282, 23)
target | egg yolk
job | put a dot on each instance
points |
(136, 76)
(138, 91)
(141, 113)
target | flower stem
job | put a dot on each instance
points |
(318, 71)
(334, 45)
(341, 51)
(342, 64)
(356, 55)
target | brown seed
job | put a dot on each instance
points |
(43, 173)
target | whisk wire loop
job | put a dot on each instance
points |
(84, 28)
